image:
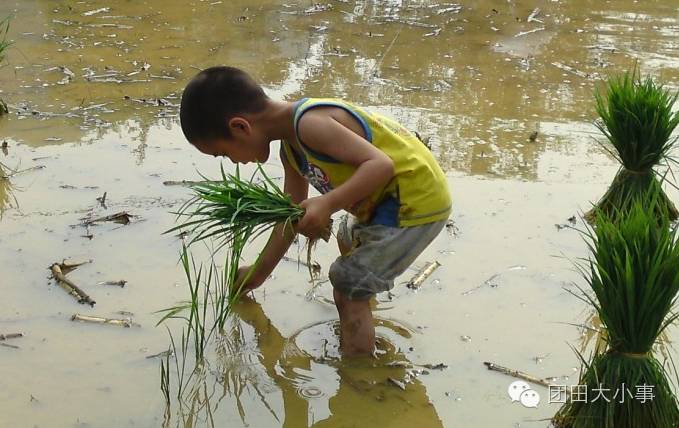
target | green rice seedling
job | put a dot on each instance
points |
(637, 120)
(165, 389)
(4, 44)
(233, 212)
(228, 292)
(4, 31)
(208, 287)
(196, 306)
(233, 209)
(634, 274)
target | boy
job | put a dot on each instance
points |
(359, 161)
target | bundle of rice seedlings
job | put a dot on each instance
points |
(637, 119)
(231, 213)
(233, 210)
(634, 274)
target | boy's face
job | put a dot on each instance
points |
(244, 145)
(236, 151)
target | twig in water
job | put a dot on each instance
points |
(534, 16)
(7, 345)
(422, 275)
(374, 72)
(11, 336)
(575, 71)
(126, 322)
(163, 354)
(69, 286)
(397, 383)
(69, 265)
(120, 283)
(13, 173)
(523, 33)
(490, 282)
(102, 200)
(183, 183)
(517, 374)
(439, 366)
(122, 217)
(314, 265)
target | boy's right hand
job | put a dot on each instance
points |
(254, 281)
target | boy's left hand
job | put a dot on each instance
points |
(316, 219)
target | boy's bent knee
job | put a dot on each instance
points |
(354, 281)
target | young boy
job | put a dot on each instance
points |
(359, 161)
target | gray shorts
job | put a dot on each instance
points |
(376, 255)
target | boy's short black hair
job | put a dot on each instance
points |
(214, 96)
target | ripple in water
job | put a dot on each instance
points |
(310, 392)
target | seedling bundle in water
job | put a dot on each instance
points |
(634, 274)
(637, 120)
(231, 212)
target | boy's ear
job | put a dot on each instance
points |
(239, 125)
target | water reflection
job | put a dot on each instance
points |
(478, 79)
(320, 389)
(7, 198)
(301, 380)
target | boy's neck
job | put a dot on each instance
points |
(276, 120)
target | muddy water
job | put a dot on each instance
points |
(93, 89)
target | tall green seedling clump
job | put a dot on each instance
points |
(633, 273)
(637, 119)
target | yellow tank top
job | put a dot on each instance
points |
(417, 194)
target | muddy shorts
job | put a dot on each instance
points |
(377, 255)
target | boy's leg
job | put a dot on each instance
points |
(372, 256)
(357, 331)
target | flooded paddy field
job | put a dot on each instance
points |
(502, 92)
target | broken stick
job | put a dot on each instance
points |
(183, 183)
(33, 168)
(11, 336)
(517, 374)
(120, 283)
(422, 275)
(102, 200)
(397, 383)
(122, 217)
(7, 345)
(126, 322)
(67, 266)
(69, 286)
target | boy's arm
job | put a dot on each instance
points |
(325, 134)
(282, 235)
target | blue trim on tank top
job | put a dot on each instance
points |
(321, 156)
